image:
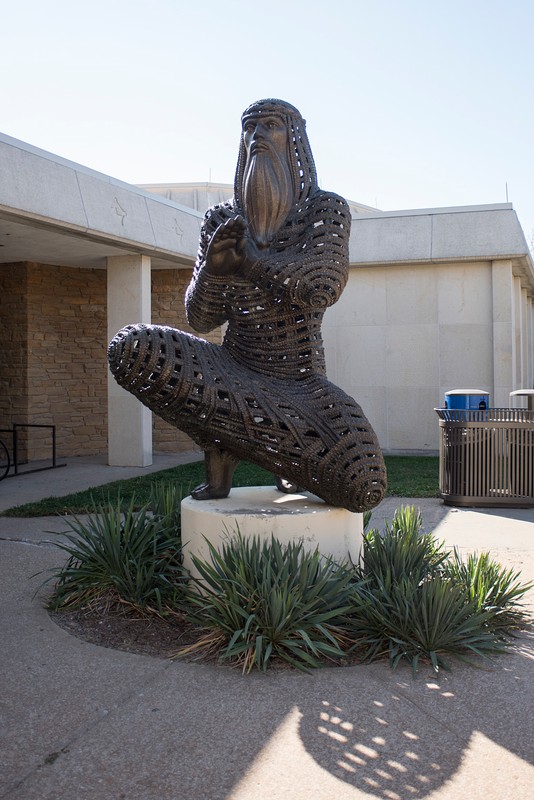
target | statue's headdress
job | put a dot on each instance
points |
(300, 155)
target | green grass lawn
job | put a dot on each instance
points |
(408, 476)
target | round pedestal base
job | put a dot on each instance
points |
(264, 512)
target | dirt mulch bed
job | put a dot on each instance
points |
(152, 636)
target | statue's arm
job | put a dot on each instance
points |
(207, 294)
(313, 272)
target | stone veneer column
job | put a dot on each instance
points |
(129, 422)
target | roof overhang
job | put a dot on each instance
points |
(442, 235)
(57, 212)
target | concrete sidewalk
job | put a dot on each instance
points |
(81, 722)
(77, 475)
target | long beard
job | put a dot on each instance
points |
(267, 195)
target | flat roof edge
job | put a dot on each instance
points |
(108, 179)
(418, 212)
(452, 259)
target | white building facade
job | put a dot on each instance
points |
(437, 299)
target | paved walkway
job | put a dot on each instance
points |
(81, 722)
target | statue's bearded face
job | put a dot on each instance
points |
(267, 183)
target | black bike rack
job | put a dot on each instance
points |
(14, 433)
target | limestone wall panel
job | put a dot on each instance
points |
(466, 357)
(403, 335)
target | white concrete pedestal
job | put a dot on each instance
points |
(264, 511)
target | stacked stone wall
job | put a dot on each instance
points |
(53, 370)
(14, 350)
(67, 377)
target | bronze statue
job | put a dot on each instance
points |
(270, 262)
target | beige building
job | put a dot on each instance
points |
(437, 299)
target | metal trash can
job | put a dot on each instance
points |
(528, 393)
(486, 457)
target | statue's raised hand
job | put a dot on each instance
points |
(232, 248)
(224, 256)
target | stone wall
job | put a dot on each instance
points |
(14, 350)
(67, 379)
(53, 369)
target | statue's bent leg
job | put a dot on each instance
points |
(168, 372)
(319, 439)
(147, 361)
(310, 432)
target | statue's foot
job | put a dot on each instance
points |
(207, 492)
(220, 466)
(286, 486)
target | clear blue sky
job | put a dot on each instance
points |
(409, 103)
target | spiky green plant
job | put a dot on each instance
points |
(414, 602)
(164, 502)
(118, 555)
(491, 587)
(409, 620)
(367, 519)
(264, 600)
(402, 551)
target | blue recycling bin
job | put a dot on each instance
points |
(467, 399)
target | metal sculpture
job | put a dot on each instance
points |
(270, 262)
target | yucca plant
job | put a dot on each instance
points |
(119, 555)
(411, 621)
(257, 601)
(491, 587)
(402, 550)
(367, 519)
(413, 601)
(165, 504)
